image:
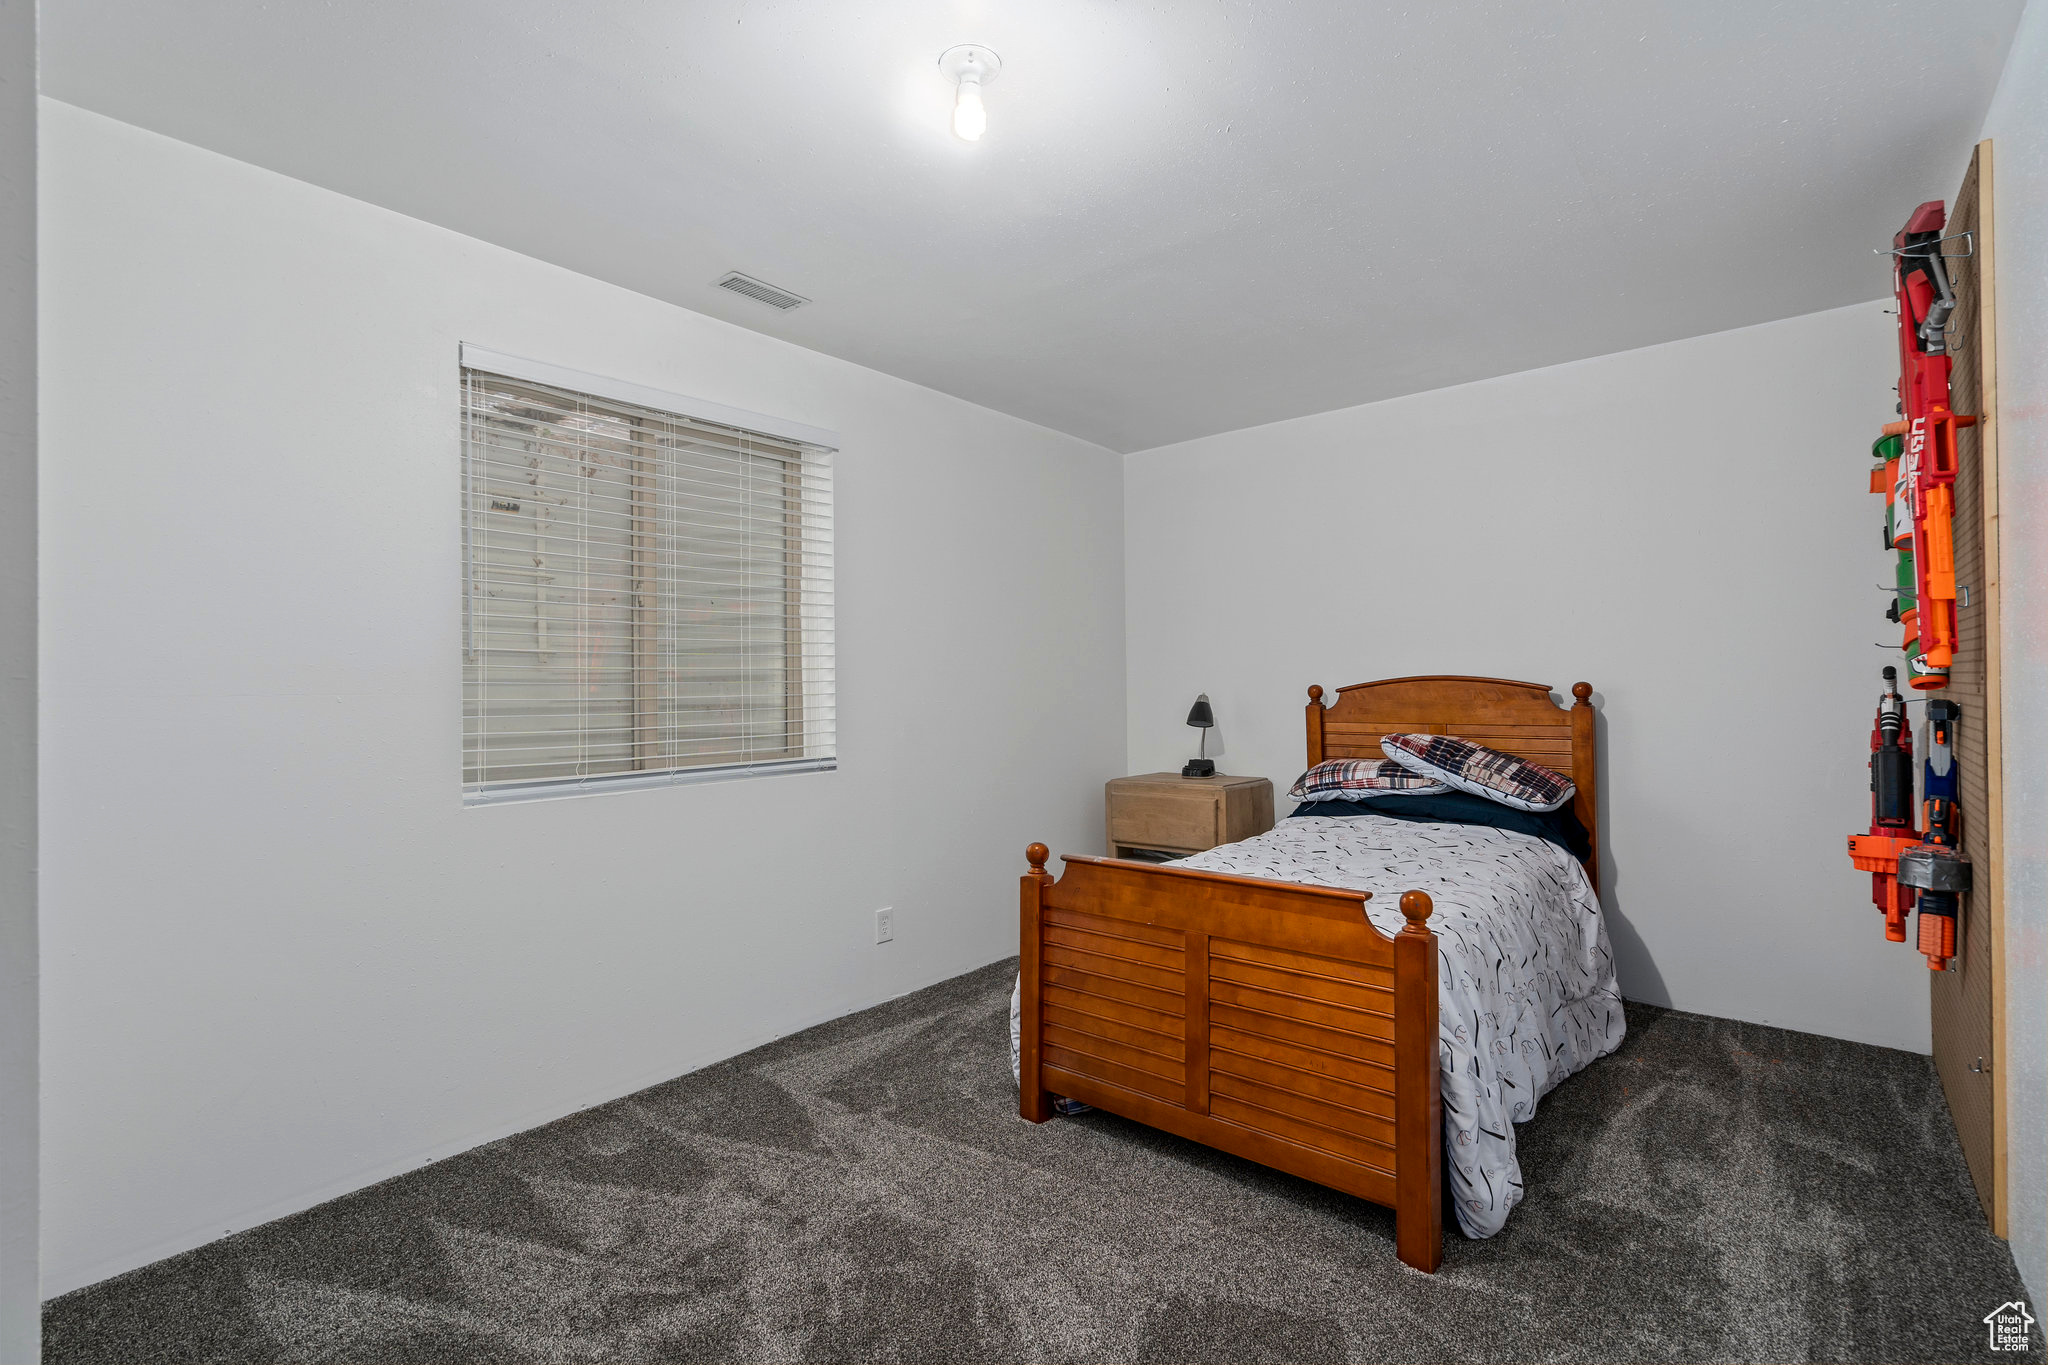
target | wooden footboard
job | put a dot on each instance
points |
(1264, 1019)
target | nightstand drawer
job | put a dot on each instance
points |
(1160, 817)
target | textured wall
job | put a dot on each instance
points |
(282, 960)
(2018, 128)
(1681, 526)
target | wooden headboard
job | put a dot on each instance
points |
(1515, 717)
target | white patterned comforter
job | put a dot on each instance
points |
(1526, 991)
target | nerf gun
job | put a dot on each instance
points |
(1884, 478)
(1936, 867)
(1905, 865)
(1920, 509)
(1891, 810)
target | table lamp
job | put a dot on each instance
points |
(1202, 718)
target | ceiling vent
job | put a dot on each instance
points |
(762, 293)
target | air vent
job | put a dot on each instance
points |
(762, 293)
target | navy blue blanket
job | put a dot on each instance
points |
(1559, 826)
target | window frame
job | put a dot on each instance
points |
(521, 369)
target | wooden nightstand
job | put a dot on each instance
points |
(1168, 813)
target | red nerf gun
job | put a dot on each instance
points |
(1924, 473)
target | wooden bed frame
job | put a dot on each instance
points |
(1267, 1019)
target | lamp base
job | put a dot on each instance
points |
(1199, 767)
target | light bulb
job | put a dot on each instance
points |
(970, 118)
(969, 66)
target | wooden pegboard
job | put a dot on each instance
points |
(1968, 1000)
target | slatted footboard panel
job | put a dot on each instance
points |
(1302, 1046)
(1114, 1002)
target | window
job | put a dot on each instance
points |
(648, 593)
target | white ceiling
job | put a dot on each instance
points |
(1186, 216)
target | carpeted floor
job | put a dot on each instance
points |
(865, 1191)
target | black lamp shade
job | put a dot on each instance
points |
(1200, 715)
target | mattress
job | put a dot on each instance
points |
(1525, 985)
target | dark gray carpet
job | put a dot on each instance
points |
(865, 1191)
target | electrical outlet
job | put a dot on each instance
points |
(885, 924)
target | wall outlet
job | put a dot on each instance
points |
(885, 924)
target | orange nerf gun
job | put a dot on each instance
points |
(1922, 471)
(1909, 870)
(1891, 810)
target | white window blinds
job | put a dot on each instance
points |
(648, 595)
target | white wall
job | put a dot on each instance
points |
(19, 1318)
(281, 960)
(2018, 127)
(1682, 527)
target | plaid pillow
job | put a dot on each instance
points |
(1481, 771)
(1361, 779)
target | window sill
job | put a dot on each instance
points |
(508, 793)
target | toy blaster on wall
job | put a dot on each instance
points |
(1919, 453)
(1898, 538)
(1912, 868)
(1936, 867)
(1891, 810)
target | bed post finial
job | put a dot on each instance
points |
(1583, 691)
(1036, 855)
(1418, 907)
(1315, 691)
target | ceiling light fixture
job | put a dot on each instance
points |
(972, 67)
